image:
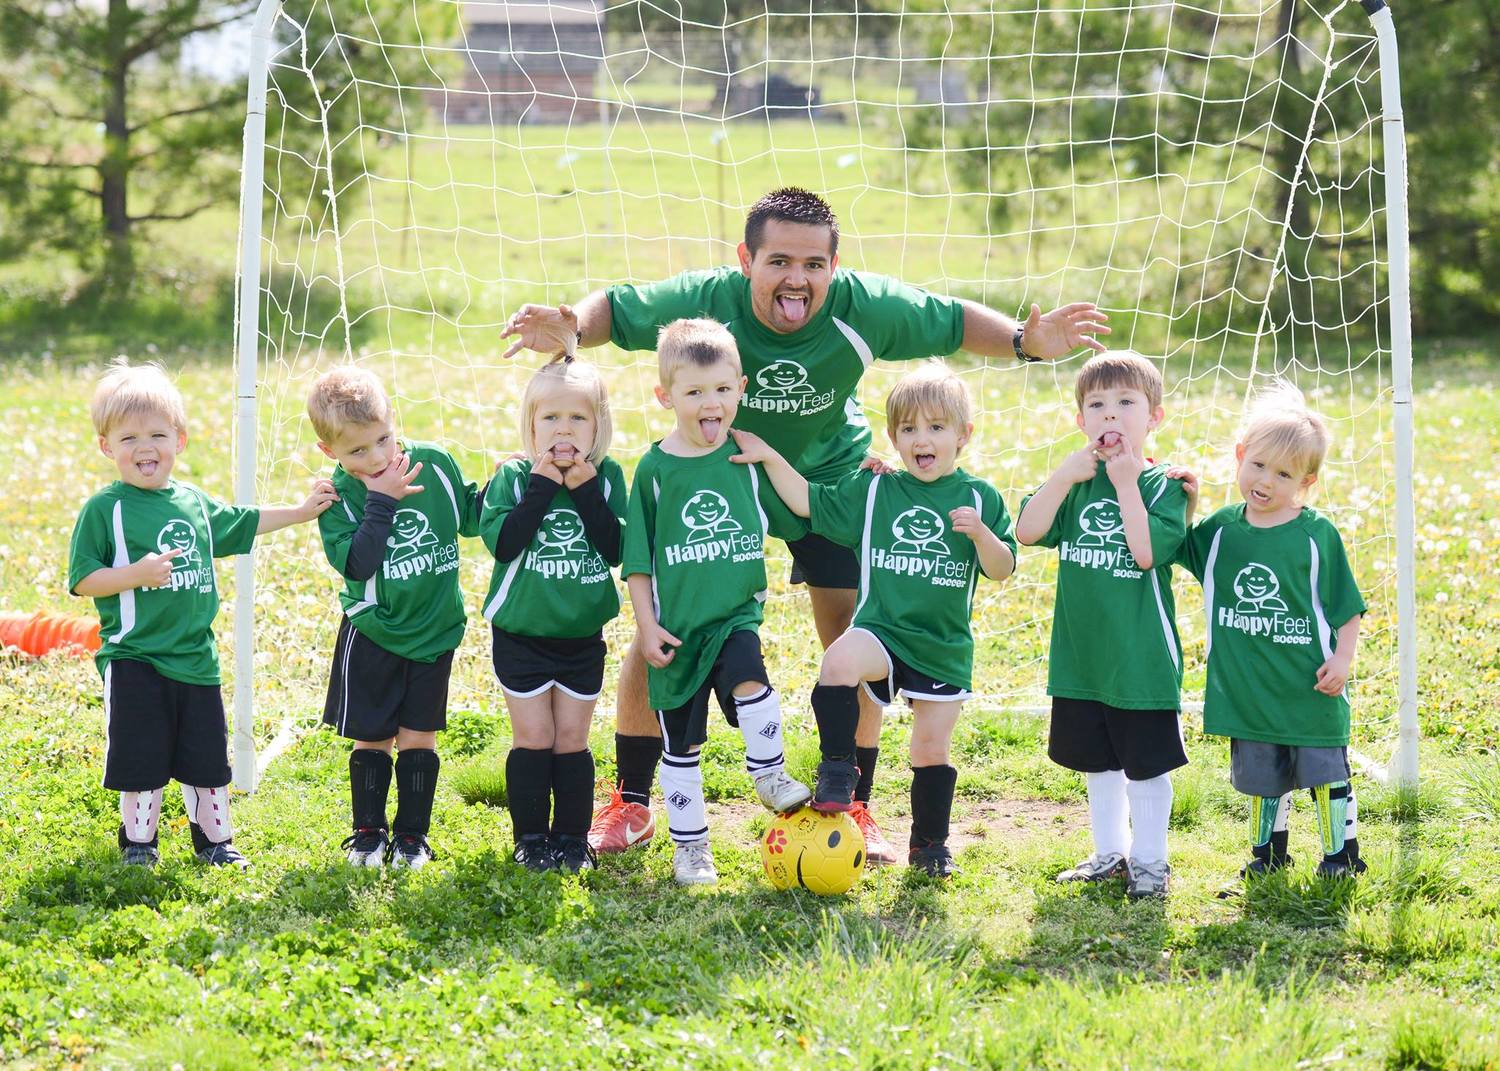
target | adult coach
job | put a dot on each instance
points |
(807, 330)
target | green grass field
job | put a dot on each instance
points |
(472, 962)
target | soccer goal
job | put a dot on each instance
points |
(1227, 179)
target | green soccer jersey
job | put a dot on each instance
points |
(1274, 598)
(412, 606)
(917, 575)
(1114, 626)
(171, 627)
(697, 526)
(801, 394)
(559, 586)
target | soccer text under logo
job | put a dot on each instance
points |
(1101, 541)
(415, 549)
(563, 550)
(189, 570)
(782, 387)
(713, 534)
(919, 549)
(1259, 609)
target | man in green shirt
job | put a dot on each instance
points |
(806, 331)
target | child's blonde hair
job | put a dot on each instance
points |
(346, 395)
(568, 373)
(1280, 422)
(128, 390)
(701, 343)
(932, 387)
(1117, 369)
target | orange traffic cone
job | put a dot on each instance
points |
(38, 633)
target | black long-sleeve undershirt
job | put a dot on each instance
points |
(367, 547)
(521, 524)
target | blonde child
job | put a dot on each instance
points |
(143, 550)
(554, 521)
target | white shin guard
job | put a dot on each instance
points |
(139, 812)
(759, 716)
(208, 809)
(682, 785)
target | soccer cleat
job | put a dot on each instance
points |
(132, 854)
(780, 793)
(837, 779)
(878, 850)
(1148, 880)
(620, 824)
(1096, 868)
(534, 851)
(573, 853)
(934, 860)
(693, 864)
(410, 850)
(366, 847)
(222, 854)
(1341, 866)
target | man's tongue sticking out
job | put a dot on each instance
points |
(793, 307)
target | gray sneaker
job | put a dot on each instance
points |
(1096, 868)
(779, 792)
(693, 864)
(145, 855)
(1148, 880)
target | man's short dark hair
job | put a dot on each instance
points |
(790, 204)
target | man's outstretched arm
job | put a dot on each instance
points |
(1045, 336)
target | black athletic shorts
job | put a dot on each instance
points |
(530, 665)
(157, 730)
(373, 693)
(822, 563)
(1093, 737)
(901, 679)
(739, 660)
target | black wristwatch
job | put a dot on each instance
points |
(1021, 354)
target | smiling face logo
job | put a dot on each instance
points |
(782, 378)
(1257, 589)
(179, 535)
(560, 533)
(1101, 523)
(409, 534)
(707, 514)
(919, 530)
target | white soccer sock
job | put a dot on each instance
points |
(208, 809)
(760, 724)
(1109, 814)
(682, 785)
(1150, 811)
(139, 811)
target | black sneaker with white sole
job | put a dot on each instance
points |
(573, 853)
(410, 851)
(366, 847)
(837, 779)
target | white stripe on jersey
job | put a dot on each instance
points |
(1325, 634)
(1208, 592)
(861, 347)
(452, 498)
(864, 546)
(127, 597)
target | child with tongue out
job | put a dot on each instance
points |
(694, 561)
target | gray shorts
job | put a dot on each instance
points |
(1261, 769)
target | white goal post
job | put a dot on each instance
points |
(1226, 179)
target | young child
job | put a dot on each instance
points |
(553, 520)
(395, 543)
(923, 535)
(143, 550)
(1283, 623)
(1115, 673)
(695, 566)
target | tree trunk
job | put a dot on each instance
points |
(114, 164)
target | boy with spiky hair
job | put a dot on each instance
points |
(694, 561)
(395, 543)
(1283, 624)
(1115, 671)
(143, 550)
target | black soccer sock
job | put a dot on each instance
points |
(416, 787)
(931, 803)
(636, 759)
(572, 792)
(528, 789)
(836, 709)
(369, 785)
(1274, 851)
(864, 758)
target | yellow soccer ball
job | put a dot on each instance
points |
(822, 853)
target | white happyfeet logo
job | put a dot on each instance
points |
(1257, 589)
(410, 532)
(1101, 523)
(707, 515)
(782, 379)
(919, 530)
(179, 535)
(560, 534)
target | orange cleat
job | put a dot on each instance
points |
(878, 850)
(620, 825)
